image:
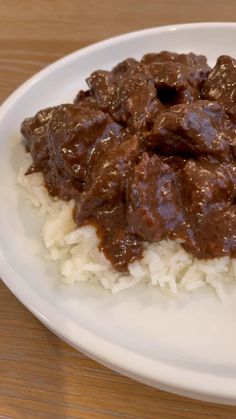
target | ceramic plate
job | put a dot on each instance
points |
(185, 345)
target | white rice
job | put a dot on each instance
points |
(165, 264)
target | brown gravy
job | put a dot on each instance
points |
(147, 153)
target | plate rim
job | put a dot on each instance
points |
(172, 378)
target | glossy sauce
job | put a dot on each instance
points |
(147, 153)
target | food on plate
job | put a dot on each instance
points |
(144, 164)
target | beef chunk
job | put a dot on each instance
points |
(153, 201)
(178, 77)
(118, 243)
(197, 129)
(107, 178)
(103, 89)
(124, 69)
(102, 202)
(189, 60)
(136, 103)
(62, 141)
(73, 134)
(172, 83)
(216, 234)
(127, 93)
(104, 84)
(35, 132)
(207, 184)
(221, 85)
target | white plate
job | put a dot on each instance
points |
(186, 346)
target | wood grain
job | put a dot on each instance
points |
(40, 376)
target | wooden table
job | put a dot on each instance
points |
(40, 376)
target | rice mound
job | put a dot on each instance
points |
(164, 264)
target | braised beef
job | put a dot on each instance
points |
(148, 152)
(103, 88)
(178, 77)
(127, 93)
(221, 85)
(108, 177)
(34, 131)
(69, 135)
(118, 243)
(121, 70)
(215, 235)
(136, 103)
(153, 199)
(200, 128)
(207, 185)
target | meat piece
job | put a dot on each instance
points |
(216, 234)
(103, 86)
(62, 141)
(108, 176)
(124, 69)
(118, 243)
(102, 204)
(189, 60)
(153, 201)
(173, 83)
(127, 93)
(103, 89)
(178, 77)
(136, 103)
(197, 129)
(35, 132)
(73, 134)
(221, 85)
(160, 57)
(197, 64)
(207, 185)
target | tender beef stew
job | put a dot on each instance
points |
(147, 153)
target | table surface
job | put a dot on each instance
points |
(41, 376)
